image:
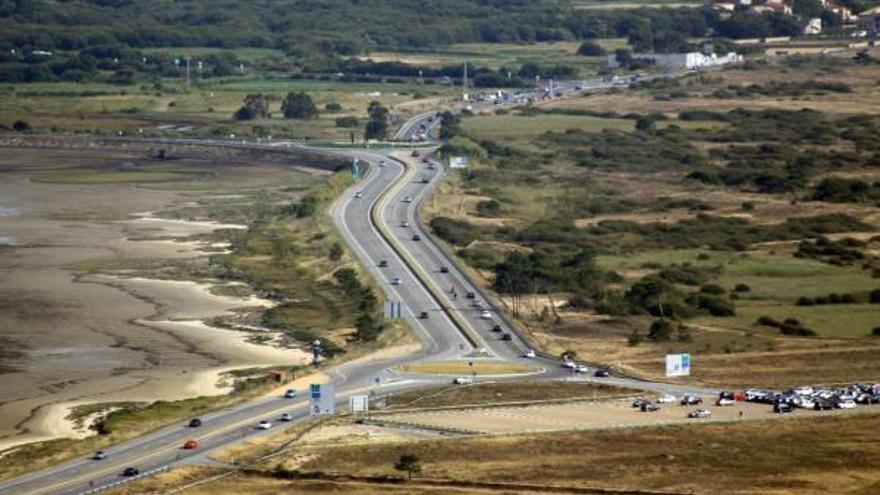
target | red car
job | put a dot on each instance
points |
(191, 444)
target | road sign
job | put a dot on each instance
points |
(322, 399)
(678, 364)
(458, 162)
(393, 310)
(359, 403)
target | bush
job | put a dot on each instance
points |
(805, 301)
(767, 321)
(742, 288)
(333, 107)
(21, 126)
(635, 338)
(874, 298)
(660, 331)
(713, 289)
(347, 122)
(876, 332)
(590, 49)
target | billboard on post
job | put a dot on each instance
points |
(678, 364)
(322, 399)
(458, 162)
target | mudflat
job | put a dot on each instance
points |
(70, 336)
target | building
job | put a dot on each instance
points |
(692, 60)
(779, 6)
(813, 27)
(869, 20)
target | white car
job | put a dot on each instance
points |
(568, 364)
(581, 368)
(395, 281)
(666, 399)
(359, 194)
(529, 353)
(805, 390)
(724, 401)
(486, 314)
(287, 417)
(407, 199)
(700, 413)
(264, 425)
(845, 404)
(462, 380)
(404, 224)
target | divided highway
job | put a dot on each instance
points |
(370, 217)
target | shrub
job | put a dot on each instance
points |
(713, 289)
(590, 49)
(660, 331)
(876, 332)
(768, 322)
(742, 288)
(874, 298)
(635, 338)
(805, 301)
(347, 122)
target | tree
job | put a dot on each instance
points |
(409, 463)
(377, 125)
(21, 126)
(333, 107)
(450, 125)
(660, 331)
(335, 252)
(590, 49)
(256, 106)
(807, 9)
(299, 106)
(645, 123)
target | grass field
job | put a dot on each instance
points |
(490, 393)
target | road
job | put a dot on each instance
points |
(369, 216)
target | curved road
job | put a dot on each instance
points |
(370, 217)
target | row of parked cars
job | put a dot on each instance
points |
(818, 398)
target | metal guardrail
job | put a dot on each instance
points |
(125, 481)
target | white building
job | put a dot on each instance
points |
(813, 27)
(692, 60)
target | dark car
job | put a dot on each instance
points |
(506, 336)
(423, 315)
(425, 180)
(99, 455)
(691, 400)
(415, 153)
(470, 295)
(416, 237)
(601, 373)
(782, 407)
(649, 407)
(639, 402)
(822, 404)
(444, 269)
(195, 423)
(383, 263)
(496, 328)
(131, 471)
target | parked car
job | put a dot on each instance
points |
(195, 423)
(691, 400)
(844, 403)
(286, 417)
(782, 407)
(601, 373)
(290, 394)
(649, 407)
(99, 455)
(666, 399)
(866, 398)
(462, 380)
(264, 425)
(638, 402)
(191, 444)
(700, 413)
(131, 471)
(724, 401)
(486, 314)
(821, 404)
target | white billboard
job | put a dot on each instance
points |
(359, 403)
(458, 162)
(678, 364)
(322, 399)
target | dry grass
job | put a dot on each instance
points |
(463, 368)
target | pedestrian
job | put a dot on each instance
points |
(740, 414)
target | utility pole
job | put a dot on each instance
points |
(188, 58)
(464, 83)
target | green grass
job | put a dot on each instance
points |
(79, 176)
(831, 320)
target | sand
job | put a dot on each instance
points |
(76, 339)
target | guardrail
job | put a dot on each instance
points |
(125, 481)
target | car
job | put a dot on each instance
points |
(476, 303)
(496, 328)
(416, 237)
(724, 401)
(382, 163)
(581, 368)
(691, 400)
(821, 404)
(804, 402)
(415, 153)
(395, 281)
(131, 471)
(407, 199)
(425, 160)
(425, 180)
(99, 455)
(195, 423)
(190, 444)
(844, 404)
(638, 402)
(867, 398)
(359, 194)
(601, 373)
(444, 269)
(383, 263)
(506, 336)
(700, 413)
(529, 353)
(290, 394)
(782, 407)
(404, 224)
(264, 425)
(462, 380)
(486, 314)
(648, 407)
(470, 295)
(423, 315)
(666, 399)
(286, 417)
(430, 166)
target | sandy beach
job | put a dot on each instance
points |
(77, 338)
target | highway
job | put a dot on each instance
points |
(369, 217)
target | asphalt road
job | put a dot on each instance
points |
(453, 330)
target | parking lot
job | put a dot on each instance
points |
(593, 415)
